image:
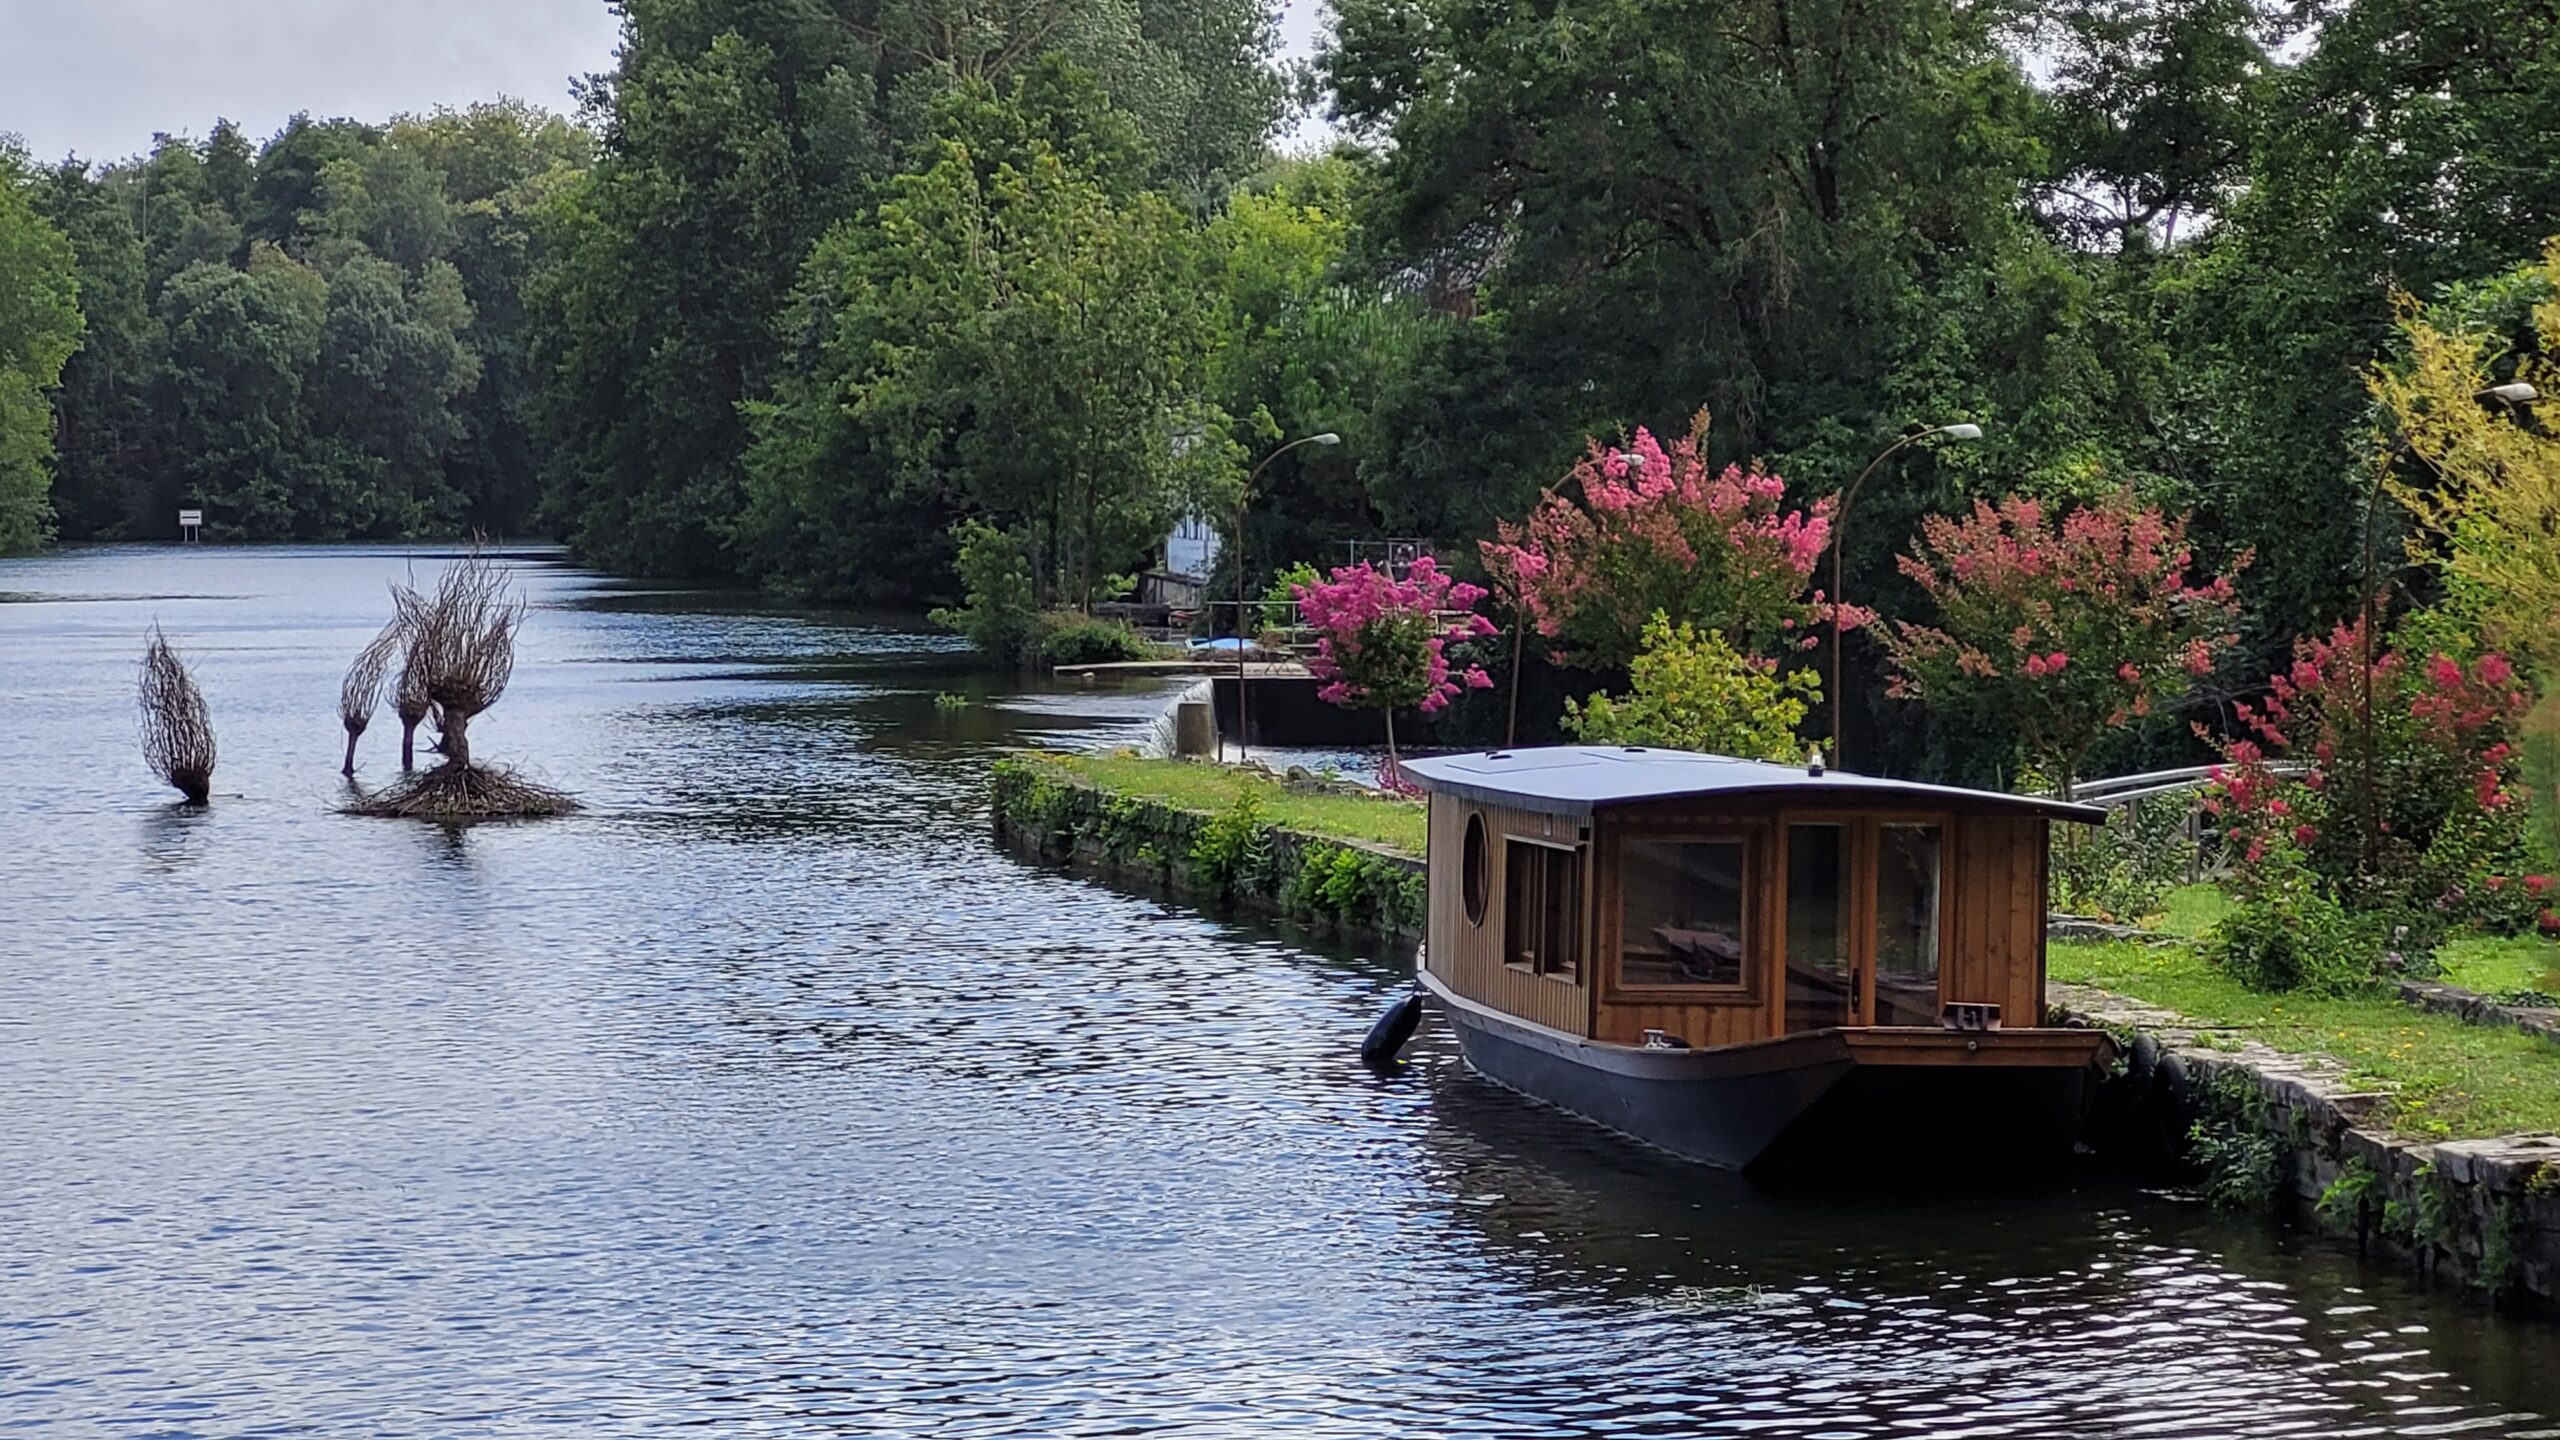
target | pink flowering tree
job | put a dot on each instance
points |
(2427, 816)
(1659, 533)
(1383, 643)
(2059, 633)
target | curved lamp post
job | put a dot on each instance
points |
(1839, 538)
(2513, 393)
(1324, 438)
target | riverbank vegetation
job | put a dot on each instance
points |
(1335, 811)
(1327, 854)
(2445, 1078)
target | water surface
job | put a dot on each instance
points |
(766, 1095)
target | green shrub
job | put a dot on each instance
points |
(1693, 691)
(1000, 616)
(2344, 1202)
(2242, 1163)
(2287, 933)
(1280, 602)
(1233, 847)
(1072, 639)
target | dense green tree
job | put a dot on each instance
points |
(39, 328)
(391, 364)
(1021, 331)
(403, 414)
(2149, 109)
(103, 409)
(285, 197)
(1314, 345)
(503, 166)
(734, 136)
(242, 344)
(184, 220)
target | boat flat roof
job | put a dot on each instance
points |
(1578, 779)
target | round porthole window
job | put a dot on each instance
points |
(1477, 869)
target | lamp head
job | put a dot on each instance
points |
(2514, 392)
(1966, 431)
(1329, 438)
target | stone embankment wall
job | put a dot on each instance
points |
(1233, 858)
(2539, 1020)
(2255, 1126)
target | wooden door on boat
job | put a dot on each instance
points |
(1824, 986)
(1864, 921)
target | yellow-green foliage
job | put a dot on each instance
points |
(2541, 746)
(2491, 493)
(1694, 691)
(2449, 1079)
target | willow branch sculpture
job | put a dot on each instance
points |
(461, 653)
(177, 729)
(362, 690)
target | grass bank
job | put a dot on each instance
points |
(2447, 1079)
(2497, 967)
(1397, 824)
(1348, 860)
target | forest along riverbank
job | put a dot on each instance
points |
(767, 1079)
(2372, 1152)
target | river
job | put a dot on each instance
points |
(766, 1095)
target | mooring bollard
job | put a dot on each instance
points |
(1195, 729)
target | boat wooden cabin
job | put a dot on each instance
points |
(1737, 960)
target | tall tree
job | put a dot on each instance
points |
(39, 328)
(735, 134)
(241, 345)
(1021, 318)
(103, 409)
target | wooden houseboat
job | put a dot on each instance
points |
(1736, 960)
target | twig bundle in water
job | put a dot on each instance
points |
(460, 792)
(461, 653)
(177, 730)
(409, 698)
(363, 688)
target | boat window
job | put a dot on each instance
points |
(1542, 907)
(1907, 866)
(1683, 912)
(1476, 869)
(1818, 974)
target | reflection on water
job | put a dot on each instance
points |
(765, 1094)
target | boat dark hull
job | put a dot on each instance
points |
(1804, 1102)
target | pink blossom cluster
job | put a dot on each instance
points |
(1381, 642)
(2438, 732)
(1659, 530)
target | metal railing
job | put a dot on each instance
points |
(2125, 789)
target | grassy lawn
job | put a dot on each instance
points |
(2191, 910)
(2501, 967)
(2451, 1080)
(1198, 785)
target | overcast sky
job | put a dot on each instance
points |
(100, 77)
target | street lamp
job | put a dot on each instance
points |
(1324, 438)
(2513, 393)
(1839, 537)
